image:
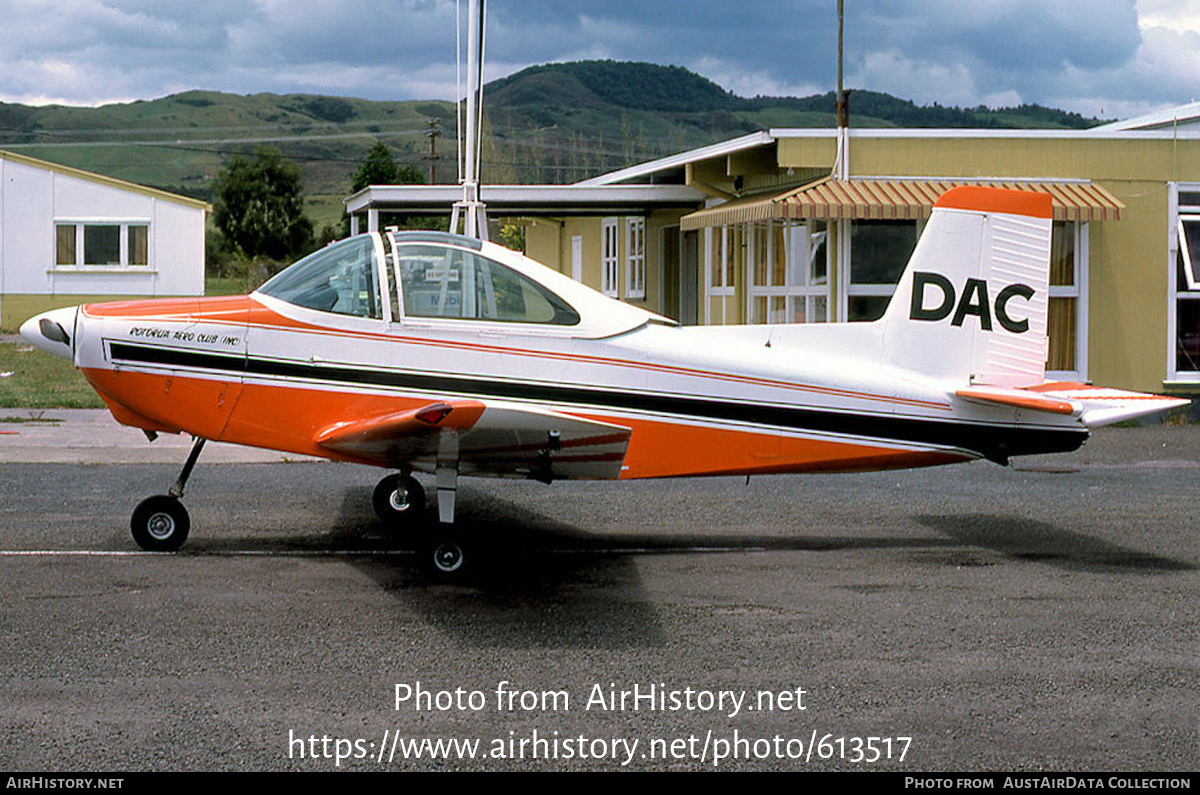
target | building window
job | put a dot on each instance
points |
(609, 257)
(879, 252)
(724, 251)
(635, 257)
(66, 249)
(138, 236)
(102, 244)
(1066, 323)
(1184, 364)
(789, 272)
(721, 258)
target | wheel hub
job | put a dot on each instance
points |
(398, 499)
(448, 557)
(161, 526)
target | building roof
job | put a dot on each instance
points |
(100, 179)
(655, 170)
(527, 199)
(651, 168)
(897, 199)
(1172, 118)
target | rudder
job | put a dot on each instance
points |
(972, 304)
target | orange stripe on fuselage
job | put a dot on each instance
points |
(660, 449)
(289, 419)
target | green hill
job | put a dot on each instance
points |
(180, 142)
(550, 123)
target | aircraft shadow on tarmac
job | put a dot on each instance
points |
(537, 581)
(517, 550)
(1026, 539)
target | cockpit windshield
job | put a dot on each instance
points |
(340, 278)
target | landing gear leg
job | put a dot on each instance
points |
(161, 523)
(447, 553)
(176, 490)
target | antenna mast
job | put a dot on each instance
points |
(470, 209)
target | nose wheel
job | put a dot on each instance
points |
(160, 523)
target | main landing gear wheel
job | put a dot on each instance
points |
(445, 558)
(160, 524)
(399, 498)
(448, 556)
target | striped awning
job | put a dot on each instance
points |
(895, 199)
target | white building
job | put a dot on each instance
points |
(69, 236)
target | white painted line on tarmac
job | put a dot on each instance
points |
(283, 553)
(299, 553)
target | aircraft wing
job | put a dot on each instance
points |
(485, 438)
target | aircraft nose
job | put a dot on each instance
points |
(52, 331)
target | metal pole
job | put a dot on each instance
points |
(471, 209)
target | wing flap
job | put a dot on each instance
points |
(521, 441)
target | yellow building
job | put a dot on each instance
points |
(776, 227)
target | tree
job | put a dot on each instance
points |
(259, 206)
(379, 167)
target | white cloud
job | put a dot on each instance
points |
(735, 78)
(1177, 15)
(921, 81)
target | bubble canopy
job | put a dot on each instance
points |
(439, 277)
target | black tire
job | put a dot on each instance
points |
(160, 524)
(399, 499)
(446, 558)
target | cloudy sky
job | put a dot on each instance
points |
(1115, 59)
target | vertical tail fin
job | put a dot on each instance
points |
(972, 304)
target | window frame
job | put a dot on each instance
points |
(125, 247)
(1077, 290)
(610, 258)
(798, 241)
(1178, 214)
(635, 257)
(849, 289)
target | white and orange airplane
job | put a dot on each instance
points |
(434, 353)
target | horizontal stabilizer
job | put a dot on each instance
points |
(1100, 406)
